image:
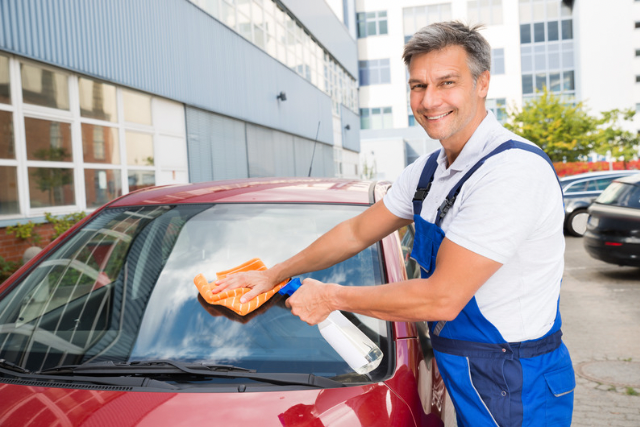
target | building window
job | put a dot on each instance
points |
(637, 78)
(372, 23)
(376, 118)
(497, 61)
(546, 48)
(5, 87)
(374, 71)
(269, 26)
(567, 29)
(56, 173)
(499, 108)
(487, 12)
(637, 24)
(414, 18)
(412, 120)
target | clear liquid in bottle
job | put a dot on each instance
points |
(360, 353)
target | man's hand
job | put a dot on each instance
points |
(258, 281)
(312, 302)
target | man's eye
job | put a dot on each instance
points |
(447, 83)
(416, 87)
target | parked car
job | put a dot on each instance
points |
(613, 227)
(580, 191)
(105, 325)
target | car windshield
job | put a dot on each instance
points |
(121, 289)
(621, 194)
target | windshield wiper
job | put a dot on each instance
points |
(13, 367)
(143, 367)
(171, 367)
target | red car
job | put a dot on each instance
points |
(105, 326)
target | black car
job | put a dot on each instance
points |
(580, 191)
(613, 226)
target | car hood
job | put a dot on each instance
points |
(368, 405)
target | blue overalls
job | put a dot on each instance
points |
(492, 382)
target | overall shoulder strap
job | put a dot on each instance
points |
(424, 184)
(451, 197)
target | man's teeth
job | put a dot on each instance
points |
(437, 117)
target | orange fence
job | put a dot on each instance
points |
(564, 169)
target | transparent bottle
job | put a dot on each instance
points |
(360, 353)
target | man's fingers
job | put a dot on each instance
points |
(250, 295)
(230, 282)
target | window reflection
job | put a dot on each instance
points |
(9, 190)
(282, 37)
(101, 186)
(97, 100)
(44, 87)
(51, 187)
(100, 144)
(137, 107)
(65, 308)
(48, 140)
(5, 87)
(7, 147)
(141, 179)
(139, 148)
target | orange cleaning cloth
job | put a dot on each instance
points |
(231, 298)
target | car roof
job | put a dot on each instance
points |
(598, 174)
(632, 179)
(258, 190)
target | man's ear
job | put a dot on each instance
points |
(482, 84)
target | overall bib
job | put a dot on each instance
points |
(492, 382)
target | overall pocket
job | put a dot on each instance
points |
(559, 404)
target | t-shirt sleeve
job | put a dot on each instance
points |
(399, 198)
(510, 198)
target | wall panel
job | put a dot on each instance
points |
(170, 48)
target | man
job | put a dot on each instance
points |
(488, 215)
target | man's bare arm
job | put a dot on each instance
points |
(459, 274)
(338, 244)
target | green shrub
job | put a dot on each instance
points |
(63, 222)
(25, 232)
(7, 268)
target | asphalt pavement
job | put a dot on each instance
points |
(600, 306)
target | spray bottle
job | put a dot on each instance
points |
(360, 353)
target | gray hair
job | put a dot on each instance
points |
(440, 35)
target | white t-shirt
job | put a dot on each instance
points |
(510, 210)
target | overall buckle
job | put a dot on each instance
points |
(421, 193)
(445, 206)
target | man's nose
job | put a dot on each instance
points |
(431, 98)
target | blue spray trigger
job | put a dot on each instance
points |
(290, 287)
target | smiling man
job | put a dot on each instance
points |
(487, 210)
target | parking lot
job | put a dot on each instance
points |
(600, 307)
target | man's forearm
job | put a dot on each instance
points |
(341, 242)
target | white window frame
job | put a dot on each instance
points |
(21, 110)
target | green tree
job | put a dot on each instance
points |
(613, 139)
(563, 131)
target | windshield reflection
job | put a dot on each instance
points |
(122, 289)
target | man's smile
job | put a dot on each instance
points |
(438, 116)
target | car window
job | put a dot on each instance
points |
(576, 187)
(122, 289)
(591, 185)
(603, 183)
(621, 194)
(407, 235)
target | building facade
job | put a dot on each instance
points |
(571, 47)
(99, 98)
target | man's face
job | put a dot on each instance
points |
(444, 99)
